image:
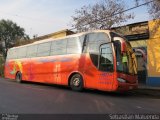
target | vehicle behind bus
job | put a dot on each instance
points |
(100, 60)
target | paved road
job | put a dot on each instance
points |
(38, 98)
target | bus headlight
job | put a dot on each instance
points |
(121, 80)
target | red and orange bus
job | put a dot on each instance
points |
(99, 59)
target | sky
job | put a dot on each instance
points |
(42, 17)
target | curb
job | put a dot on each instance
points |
(148, 91)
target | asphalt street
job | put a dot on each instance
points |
(29, 98)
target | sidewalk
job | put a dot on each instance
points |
(148, 90)
(143, 86)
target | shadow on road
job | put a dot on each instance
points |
(139, 93)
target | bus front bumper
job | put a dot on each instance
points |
(127, 86)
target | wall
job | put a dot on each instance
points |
(138, 43)
(58, 34)
(153, 49)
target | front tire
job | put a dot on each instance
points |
(19, 77)
(76, 82)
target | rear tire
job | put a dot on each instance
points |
(19, 77)
(76, 82)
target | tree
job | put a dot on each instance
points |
(10, 32)
(100, 15)
(153, 8)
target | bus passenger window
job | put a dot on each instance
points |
(58, 47)
(12, 54)
(22, 52)
(74, 46)
(43, 49)
(31, 51)
(94, 40)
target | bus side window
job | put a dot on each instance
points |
(58, 47)
(32, 51)
(73, 45)
(22, 52)
(83, 40)
(94, 40)
(43, 49)
(12, 54)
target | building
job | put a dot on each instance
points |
(58, 34)
(153, 49)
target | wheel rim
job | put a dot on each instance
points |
(76, 82)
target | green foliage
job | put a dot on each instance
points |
(10, 32)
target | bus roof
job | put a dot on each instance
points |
(52, 39)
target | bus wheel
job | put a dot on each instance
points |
(76, 82)
(19, 77)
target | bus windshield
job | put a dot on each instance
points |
(132, 61)
(126, 61)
